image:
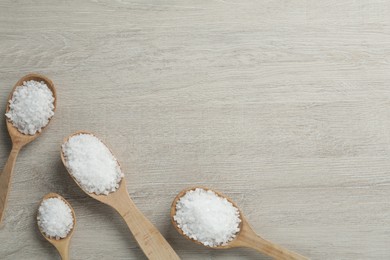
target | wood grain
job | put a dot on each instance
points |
(282, 105)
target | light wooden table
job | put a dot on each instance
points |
(282, 105)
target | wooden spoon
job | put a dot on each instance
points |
(148, 237)
(62, 245)
(246, 237)
(18, 141)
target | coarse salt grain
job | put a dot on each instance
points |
(92, 164)
(55, 218)
(31, 107)
(204, 216)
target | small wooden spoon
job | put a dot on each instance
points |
(18, 141)
(148, 237)
(246, 237)
(62, 245)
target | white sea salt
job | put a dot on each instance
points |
(55, 218)
(204, 216)
(92, 164)
(31, 107)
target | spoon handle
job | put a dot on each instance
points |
(64, 252)
(147, 235)
(5, 179)
(264, 246)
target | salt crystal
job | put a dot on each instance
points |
(31, 107)
(55, 218)
(92, 164)
(204, 216)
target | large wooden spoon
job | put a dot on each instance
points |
(62, 245)
(18, 141)
(246, 237)
(148, 237)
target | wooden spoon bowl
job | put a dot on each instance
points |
(16, 136)
(173, 213)
(246, 237)
(62, 245)
(146, 234)
(18, 140)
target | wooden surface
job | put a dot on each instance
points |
(284, 106)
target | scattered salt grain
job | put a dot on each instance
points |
(31, 107)
(55, 218)
(204, 216)
(92, 164)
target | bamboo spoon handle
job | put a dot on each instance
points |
(252, 240)
(63, 251)
(5, 179)
(147, 235)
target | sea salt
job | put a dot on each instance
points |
(31, 107)
(204, 216)
(92, 164)
(55, 218)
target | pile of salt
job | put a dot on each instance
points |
(55, 218)
(92, 164)
(204, 216)
(31, 107)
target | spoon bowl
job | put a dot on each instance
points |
(62, 245)
(245, 237)
(19, 140)
(16, 136)
(147, 236)
(173, 213)
(111, 199)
